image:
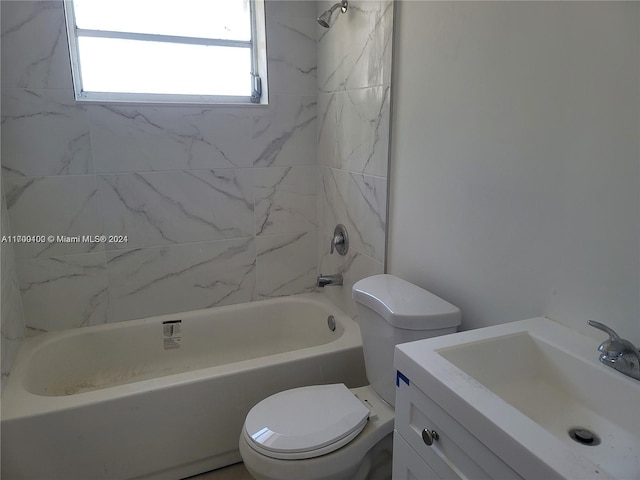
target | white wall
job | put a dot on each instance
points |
(515, 159)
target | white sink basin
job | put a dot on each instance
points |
(530, 383)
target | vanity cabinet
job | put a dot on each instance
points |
(453, 453)
(407, 464)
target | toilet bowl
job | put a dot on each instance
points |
(330, 432)
(350, 460)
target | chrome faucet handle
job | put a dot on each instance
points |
(610, 348)
(601, 326)
(340, 240)
(618, 353)
(614, 346)
(335, 241)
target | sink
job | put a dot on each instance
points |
(534, 383)
(557, 390)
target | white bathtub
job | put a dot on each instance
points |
(164, 397)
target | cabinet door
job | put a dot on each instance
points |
(456, 453)
(407, 464)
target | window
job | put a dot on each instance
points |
(165, 51)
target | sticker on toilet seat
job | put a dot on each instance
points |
(171, 332)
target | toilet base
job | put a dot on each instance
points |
(378, 461)
(375, 466)
(367, 457)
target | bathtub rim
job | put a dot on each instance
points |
(18, 402)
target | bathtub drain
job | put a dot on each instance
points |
(331, 321)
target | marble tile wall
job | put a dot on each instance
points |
(354, 80)
(12, 331)
(218, 204)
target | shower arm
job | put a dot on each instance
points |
(344, 4)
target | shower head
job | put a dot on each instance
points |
(325, 18)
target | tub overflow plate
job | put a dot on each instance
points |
(584, 436)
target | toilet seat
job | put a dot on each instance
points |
(305, 422)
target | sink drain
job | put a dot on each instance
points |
(584, 436)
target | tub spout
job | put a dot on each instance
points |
(324, 280)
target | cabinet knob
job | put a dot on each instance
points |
(429, 436)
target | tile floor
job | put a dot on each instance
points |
(233, 472)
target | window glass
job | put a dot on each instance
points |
(163, 68)
(154, 51)
(229, 19)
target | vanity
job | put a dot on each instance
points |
(527, 399)
(430, 444)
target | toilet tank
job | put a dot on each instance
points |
(392, 311)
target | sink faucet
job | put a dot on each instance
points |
(324, 280)
(618, 353)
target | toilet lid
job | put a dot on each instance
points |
(305, 422)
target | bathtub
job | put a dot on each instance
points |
(164, 397)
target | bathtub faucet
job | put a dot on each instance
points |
(324, 280)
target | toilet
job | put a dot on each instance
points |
(331, 432)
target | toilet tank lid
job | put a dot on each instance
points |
(405, 305)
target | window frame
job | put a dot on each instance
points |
(257, 46)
